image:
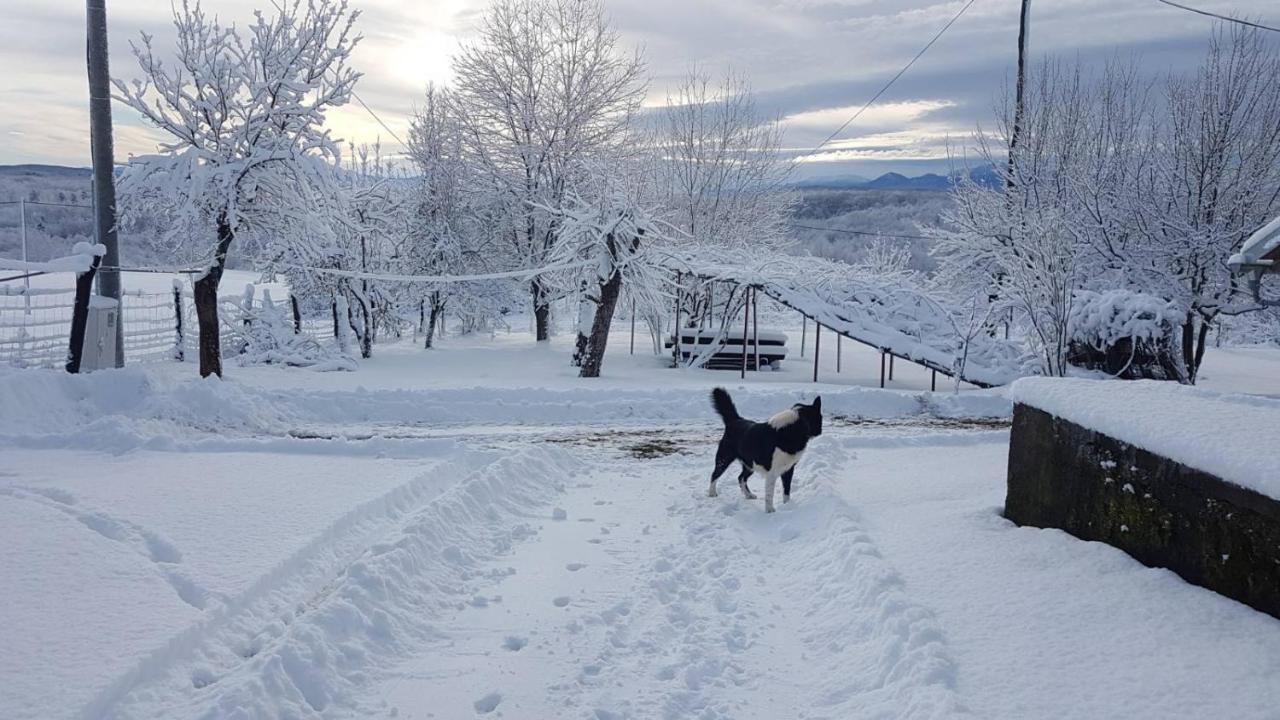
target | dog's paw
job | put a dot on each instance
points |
(712, 493)
(749, 495)
(768, 508)
(786, 499)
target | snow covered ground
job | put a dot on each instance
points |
(474, 532)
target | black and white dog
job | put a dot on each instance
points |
(770, 448)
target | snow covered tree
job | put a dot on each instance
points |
(247, 156)
(1214, 181)
(544, 89)
(719, 172)
(456, 216)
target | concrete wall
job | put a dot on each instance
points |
(1211, 532)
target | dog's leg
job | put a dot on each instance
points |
(770, 482)
(742, 483)
(786, 484)
(723, 461)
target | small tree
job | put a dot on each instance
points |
(247, 155)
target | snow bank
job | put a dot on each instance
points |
(142, 407)
(1230, 436)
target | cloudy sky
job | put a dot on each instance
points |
(812, 62)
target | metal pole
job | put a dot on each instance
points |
(633, 326)
(804, 329)
(746, 316)
(881, 368)
(817, 347)
(839, 344)
(755, 326)
(104, 188)
(891, 357)
(26, 282)
(933, 382)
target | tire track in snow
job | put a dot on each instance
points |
(303, 649)
(165, 557)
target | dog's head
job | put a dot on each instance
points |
(811, 416)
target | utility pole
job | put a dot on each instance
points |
(26, 281)
(1019, 101)
(103, 152)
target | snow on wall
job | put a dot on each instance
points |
(1230, 436)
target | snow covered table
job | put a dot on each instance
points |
(1177, 477)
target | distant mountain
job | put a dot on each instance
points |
(983, 175)
(32, 170)
(833, 181)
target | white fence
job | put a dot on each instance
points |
(35, 326)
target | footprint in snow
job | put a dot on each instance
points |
(559, 514)
(488, 703)
(575, 567)
(514, 643)
(561, 601)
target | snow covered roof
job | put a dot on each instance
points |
(876, 311)
(1230, 436)
(1262, 243)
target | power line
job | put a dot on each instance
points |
(375, 117)
(893, 79)
(1228, 18)
(860, 232)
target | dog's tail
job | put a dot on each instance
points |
(723, 404)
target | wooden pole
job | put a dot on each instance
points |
(817, 347)
(746, 316)
(881, 368)
(755, 325)
(933, 382)
(891, 357)
(839, 344)
(804, 330)
(675, 330)
(633, 326)
(179, 342)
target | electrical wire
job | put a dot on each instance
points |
(893, 79)
(1228, 18)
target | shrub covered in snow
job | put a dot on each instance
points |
(1126, 334)
(266, 334)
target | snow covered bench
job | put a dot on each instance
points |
(1177, 477)
(773, 348)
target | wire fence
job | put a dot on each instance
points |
(35, 325)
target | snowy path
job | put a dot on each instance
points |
(645, 599)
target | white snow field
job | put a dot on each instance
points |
(473, 532)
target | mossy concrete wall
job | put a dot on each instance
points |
(1165, 514)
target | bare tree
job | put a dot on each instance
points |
(1216, 179)
(720, 173)
(544, 89)
(247, 155)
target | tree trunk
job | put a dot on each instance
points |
(583, 325)
(541, 311)
(297, 315)
(609, 292)
(205, 291)
(437, 307)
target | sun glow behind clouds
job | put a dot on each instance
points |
(885, 131)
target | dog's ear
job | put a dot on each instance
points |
(817, 403)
